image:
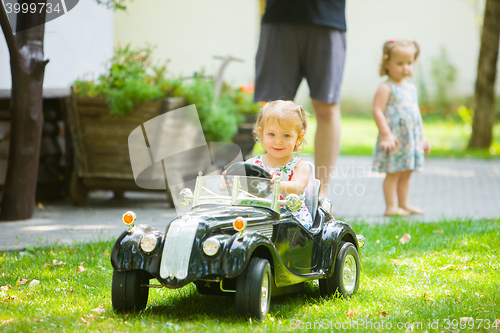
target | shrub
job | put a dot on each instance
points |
(131, 79)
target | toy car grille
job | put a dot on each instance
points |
(177, 249)
(265, 230)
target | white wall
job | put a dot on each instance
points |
(432, 23)
(190, 32)
(76, 43)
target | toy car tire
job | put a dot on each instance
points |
(127, 292)
(345, 278)
(253, 289)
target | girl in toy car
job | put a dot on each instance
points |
(281, 127)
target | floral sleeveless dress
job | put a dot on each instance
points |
(403, 116)
(285, 173)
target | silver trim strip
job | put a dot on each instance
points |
(265, 230)
(177, 249)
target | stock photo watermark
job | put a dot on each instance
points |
(383, 325)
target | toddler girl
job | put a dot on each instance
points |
(401, 142)
(280, 127)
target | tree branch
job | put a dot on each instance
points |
(9, 35)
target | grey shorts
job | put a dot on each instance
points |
(288, 52)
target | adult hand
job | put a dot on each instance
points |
(427, 146)
(388, 142)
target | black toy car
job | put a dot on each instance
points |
(237, 238)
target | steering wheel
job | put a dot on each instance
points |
(255, 186)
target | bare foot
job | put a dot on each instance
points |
(414, 210)
(396, 212)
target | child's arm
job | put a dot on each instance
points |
(427, 145)
(299, 181)
(387, 139)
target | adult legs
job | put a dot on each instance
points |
(404, 191)
(326, 141)
(391, 187)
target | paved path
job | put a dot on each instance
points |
(447, 188)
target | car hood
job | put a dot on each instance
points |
(185, 234)
(222, 216)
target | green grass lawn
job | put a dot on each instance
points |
(447, 138)
(448, 271)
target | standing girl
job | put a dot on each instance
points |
(401, 142)
(280, 127)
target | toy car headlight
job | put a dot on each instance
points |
(148, 243)
(185, 196)
(293, 201)
(211, 246)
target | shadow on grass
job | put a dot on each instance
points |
(186, 304)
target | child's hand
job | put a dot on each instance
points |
(224, 183)
(389, 142)
(272, 179)
(427, 146)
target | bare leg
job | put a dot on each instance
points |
(404, 192)
(326, 142)
(390, 189)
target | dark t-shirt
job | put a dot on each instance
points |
(330, 13)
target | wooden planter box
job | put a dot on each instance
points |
(100, 142)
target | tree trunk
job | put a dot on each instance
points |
(27, 68)
(484, 99)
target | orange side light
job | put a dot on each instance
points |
(128, 218)
(239, 224)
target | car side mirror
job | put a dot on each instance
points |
(186, 196)
(293, 201)
(326, 204)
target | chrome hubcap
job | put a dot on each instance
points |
(264, 294)
(349, 273)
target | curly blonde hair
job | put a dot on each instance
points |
(282, 111)
(389, 46)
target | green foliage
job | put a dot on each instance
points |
(423, 94)
(448, 138)
(115, 4)
(218, 118)
(241, 98)
(444, 74)
(132, 78)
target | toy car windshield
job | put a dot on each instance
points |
(237, 190)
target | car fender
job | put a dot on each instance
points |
(127, 254)
(333, 234)
(240, 250)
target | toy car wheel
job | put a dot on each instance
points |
(345, 278)
(127, 291)
(253, 289)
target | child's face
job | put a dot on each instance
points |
(278, 141)
(400, 64)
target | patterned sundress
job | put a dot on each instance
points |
(403, 116)
(285, 173)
